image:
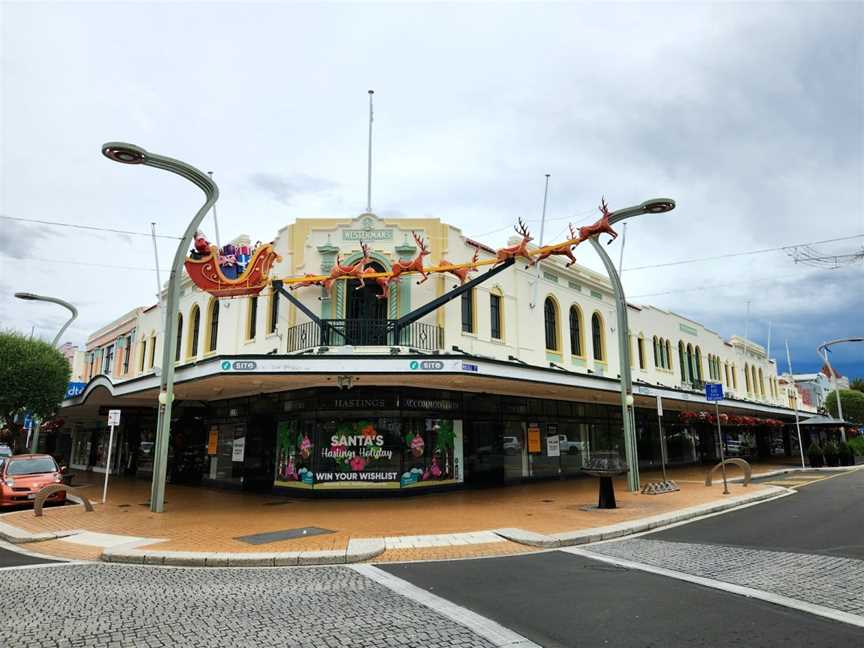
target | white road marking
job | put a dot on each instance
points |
(490, 630)
(777, 599)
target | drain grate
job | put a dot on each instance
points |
(287, 534)
(280, 503)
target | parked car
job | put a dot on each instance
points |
(568, 446)
(23, 476)
(512, 445)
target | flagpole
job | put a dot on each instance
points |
(369, 164)
(533, 302)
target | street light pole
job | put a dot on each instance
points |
(131, 154)
(655, 206)
(824, 349)
(34, 442)
(54, 300)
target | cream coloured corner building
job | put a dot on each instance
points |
(486, 388)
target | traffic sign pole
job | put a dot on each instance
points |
(113, 419)
(722, 455)
(662, 440)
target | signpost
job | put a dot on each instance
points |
(714, 392)
(662, 440)
(113, 419)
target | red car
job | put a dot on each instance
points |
(23, 476)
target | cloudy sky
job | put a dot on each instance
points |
(749, 115)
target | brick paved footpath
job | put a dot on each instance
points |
(109, 605)
(828, 581)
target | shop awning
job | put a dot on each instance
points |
(821, 420)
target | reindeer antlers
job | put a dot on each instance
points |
(604, 208)
(419, 241)
(522, 229)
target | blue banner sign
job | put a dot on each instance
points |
(74, 389)
(713, 391)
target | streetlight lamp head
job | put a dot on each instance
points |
(658, 205)
(123, 152)
(26, 295)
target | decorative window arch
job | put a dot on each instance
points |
(761, 383)
(665, 359)
(212, 325)
(640, 350)
(194, 331)
(691, 370)
(179, 345)
(753, 380)
(657, 356)
(747, 377)
(668, 348)
(550, 324)
(576, 346)
(682, 360)
(598, 337)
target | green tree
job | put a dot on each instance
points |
(853, 405)
(857, 384)
(34, 376)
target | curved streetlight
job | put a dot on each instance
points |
(54, 300)
(653, 206)
(824, 349)
(130, 154)
(28, 296)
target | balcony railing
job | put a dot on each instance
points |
(365, 332)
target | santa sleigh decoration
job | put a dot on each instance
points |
(205, 272)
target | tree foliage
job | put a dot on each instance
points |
(857, 384)
(852, 402)
(33, 375)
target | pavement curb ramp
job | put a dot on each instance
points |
(14, 535)
(358, 550)
(597, 534)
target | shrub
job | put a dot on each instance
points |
(856, 445)
(844, 452)
(814, 454)
(830, 453)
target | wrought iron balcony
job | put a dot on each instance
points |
(364, 332)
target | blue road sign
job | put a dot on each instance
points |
(714, 391)
(28, 421)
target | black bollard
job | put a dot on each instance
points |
(607, 494)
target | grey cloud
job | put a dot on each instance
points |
(284, 189)
(18, 239)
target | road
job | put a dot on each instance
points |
(803, 547)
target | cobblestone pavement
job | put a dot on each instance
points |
(110, 605)
(828, 581)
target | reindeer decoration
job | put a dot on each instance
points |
(355, 270)
(400, 267)
(601, 226)
(520, 249)
(564, 249)
(460, 273)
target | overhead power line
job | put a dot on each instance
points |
(95, 228)
(782, 248)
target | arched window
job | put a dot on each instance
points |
(576, 331)
(142, 354)
(194, 332)
(274, 312)
(761, 384)
(747, 377)
(550, 318)
(657, 356)
(213, 329)
(698, 359)
(726, 369)
(640, 348)
(753, 380)
(179, 337)
(496, 328)
(691, 367)
(597, 337)
(734, 377)
(682, 360)
(664, 355)
(252, 318)
(151, 360)
(668, 354)
(467, 300)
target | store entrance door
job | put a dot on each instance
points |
(259, 460)
(483, 460)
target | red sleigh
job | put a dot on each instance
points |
(206, 274)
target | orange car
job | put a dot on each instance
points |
(23, 476)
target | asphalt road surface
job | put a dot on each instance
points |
(825, 517)
(10, 558)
